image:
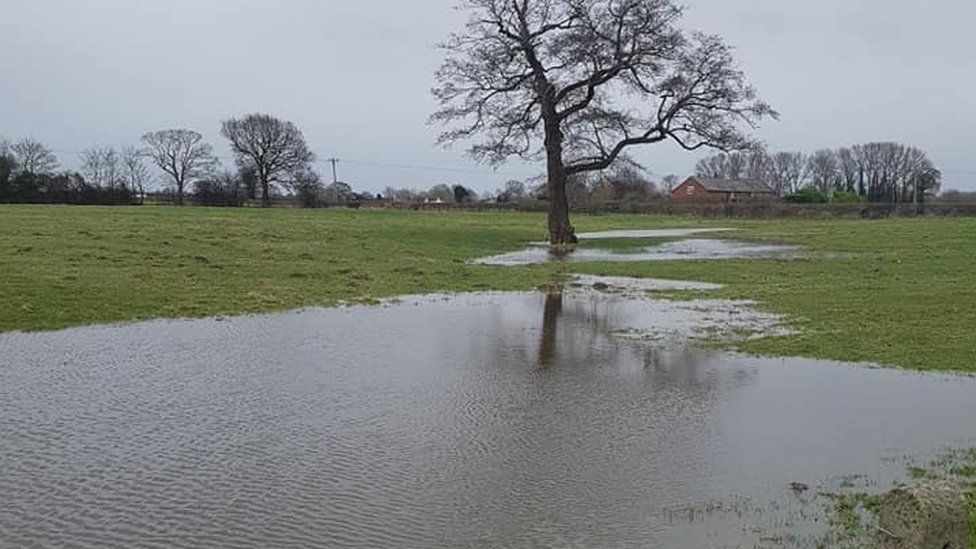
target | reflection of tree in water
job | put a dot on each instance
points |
(577, 330)
(581, 420)
(551, 312)
(559, 254)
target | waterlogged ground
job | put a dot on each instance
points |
(674, 244)
(576, 419)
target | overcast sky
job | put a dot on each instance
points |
(355, 75)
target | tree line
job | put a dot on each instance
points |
(876, 172)
(267, 152)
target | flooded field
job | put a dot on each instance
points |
(689, 246)
(580, 419)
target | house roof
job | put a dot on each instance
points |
(733, 186)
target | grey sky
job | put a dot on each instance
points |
(355, 75)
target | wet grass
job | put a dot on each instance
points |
(68, 266)
(896, 292)
(854, 514)
(902, 293)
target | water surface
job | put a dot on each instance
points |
(490, 420)
(691, 249)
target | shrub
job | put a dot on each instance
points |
(847, 197)
(808, 195)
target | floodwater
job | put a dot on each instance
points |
(485, 420)
(696, 248)
(649, 233)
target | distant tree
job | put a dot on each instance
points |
(182, 155)
(670, 182)
(588, 80)
(823, 171)
(402, 195)
(713, 167)
(760, 166)
(101, 167)
(308, 188)
(788, 169)
(514, 191)
(735, 166)
(8, 168)
(33, 157)
(339, 193)
(250, 178)
(442, 193)
(579, 191)
(849, 169)
(222, 188)
(135, 173)
(273, 148)
(623, 183)
(463, 194)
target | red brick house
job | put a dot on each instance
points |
(722, 190)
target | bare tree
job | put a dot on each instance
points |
(760, 167)
(788, 169)
(101, 167)
(441, 193)
(565, 73)
(182, 155)
(8, 166)
(308, 187)
(33, 157)
(135, 173)
(715, 166)
(402, 195)
(737, 166)
(849, 169)
(734, 166)
(670, 182)
(822, 170)
(273, 148)
(514, 191)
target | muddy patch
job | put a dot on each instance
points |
(581, 418)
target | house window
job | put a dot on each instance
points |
(691, 190)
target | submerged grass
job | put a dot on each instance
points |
(900, 292)
(855, 513)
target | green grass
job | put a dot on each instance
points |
(903, 293)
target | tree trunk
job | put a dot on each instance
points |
(179, 193)
(561, 232)
(265, 195)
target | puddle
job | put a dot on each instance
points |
(654, 233)
(695, 249)
(638, 287)
(484, 420)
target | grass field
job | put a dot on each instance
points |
(899, 292)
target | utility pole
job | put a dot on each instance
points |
(335, 178)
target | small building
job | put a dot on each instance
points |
(722, 190)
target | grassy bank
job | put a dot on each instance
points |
(903, 292)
